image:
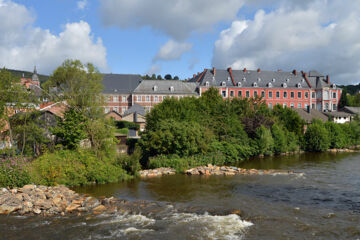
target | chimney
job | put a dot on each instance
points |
(245, 70)
(259, 70)
(308, 110)
(327, 79)
(230, 70)
(294, 72)
(214, 71)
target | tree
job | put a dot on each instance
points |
(176, 78)
(153, 76)
(289, 119)
(279, 135)
(168, 77)
(265, 142)
(317, 138)
(159, 77)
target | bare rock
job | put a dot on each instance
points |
(7, 209)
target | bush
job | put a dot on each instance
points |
(264, 140)
(131, 163)
(182, 164)
(337, 136)
(280, 140)
(73, 168)
(126, 124)
(14, 172)
(317, 138)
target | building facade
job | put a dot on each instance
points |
(289, 89)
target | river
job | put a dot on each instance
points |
(321, 203)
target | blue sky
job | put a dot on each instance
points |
(182, 37)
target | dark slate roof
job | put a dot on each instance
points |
(120, 83)
(338, 114)
(137, 109)
(353, 110)
(261, 79)
(36, 90)
(163, 87)
(309, 117)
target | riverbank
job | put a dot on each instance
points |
(48, 201)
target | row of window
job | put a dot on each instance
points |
(300, 105)
(116, 99)
(154, 98)
(270, 94)
(116, 109)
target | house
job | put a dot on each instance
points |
(113, 115)
(291, 89)
(352, 110)
(309, 115)
(136, 114)
(340, 116)
(151, 92)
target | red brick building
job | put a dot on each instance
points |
(292, 89)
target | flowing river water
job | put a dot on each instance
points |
(322, 203)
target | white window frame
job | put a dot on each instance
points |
(138, 98)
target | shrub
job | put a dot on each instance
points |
(14, 172)
(316, 138)
(74, 168)
(280, 140)
(264, 140)
(126, 124)
(182, 164)
(337, 135)
(131, 163)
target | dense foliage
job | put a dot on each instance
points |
(14, 172)
(180, 132)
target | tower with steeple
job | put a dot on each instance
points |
(35, 77)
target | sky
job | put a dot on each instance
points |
(182, 37)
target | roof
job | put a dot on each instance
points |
(113, 112)
(164, 87)
(354, 110)
(260, 79)
(120, 83)
(137, 109)
(338, 114)
(36, 90)
(309, 117)
(57, 108)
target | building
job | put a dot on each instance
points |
(340, 116)
(118, 90)
(291, 89)
(151, 92)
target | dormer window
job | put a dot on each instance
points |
(273, 80)
(255, 84)
(239, 84)
(259, 79)
(333, 86)
(269, 84)
(284, 85)
(228, 78)
(213, 78)
(303, 80)
(287, 80)
(223, 84)
(244, 79)
(171, 89)
(155, 88)
(298, 85)
(207, 84)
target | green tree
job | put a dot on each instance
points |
(176, 78)
(265, 141)
(280, 141)
(153, 76)
(317, 137)
(337, 136)
(289, 119)
(168, 77)
(159, 77)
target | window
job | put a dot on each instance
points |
(123, 109)
(277, 94)
(292, 94)
(106, 110)
(255, 93)
(223, 84)
(270, 105)
(247, 94)
(334, 94)
(171, 89)
(138, 98)
(239, 93)
(306, 106)
(155, 88)
(156, 98)
(313, 95)
(306, 95)
(270, 94)
(334, 107)
(108, 98)
(292, 105)
(231, 93)
(262, 94)
(313, 106)
(284, 105)
(124, 99)
(116, 109)
(285, 94)
(115, 99)
(207, 84)
(299, 105)
(326, 106)
(147, 98)
(147, 109)
(299, 95)
(223, 93)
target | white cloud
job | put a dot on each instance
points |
(322, 35)
(82, 4)
(154, 69)
(172, 50)
(176, 18)
(22, 45)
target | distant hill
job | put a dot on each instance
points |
(352, 89)
(19, 74)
